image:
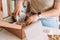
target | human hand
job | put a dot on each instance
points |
(33, 18)
(18, 9)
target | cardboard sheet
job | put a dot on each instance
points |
(34, 32)
(5, 35)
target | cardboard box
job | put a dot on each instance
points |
(32, 31)
(14, 28)
(21, 32)
(18, 32)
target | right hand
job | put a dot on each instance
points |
(32, 19)
(18, 9)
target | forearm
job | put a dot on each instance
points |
(8, 25)
(19, 2)
(18, 5)
(50, 13)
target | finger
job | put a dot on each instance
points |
(29, 21)
(17, 12)
(16, 8)
(34, 21)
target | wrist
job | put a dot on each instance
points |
(39, 15)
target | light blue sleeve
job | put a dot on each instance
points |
(50, 22)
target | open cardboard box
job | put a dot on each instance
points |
(32, 31)
(19, 32)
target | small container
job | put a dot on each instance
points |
(21, 17)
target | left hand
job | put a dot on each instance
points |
(33, 18)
